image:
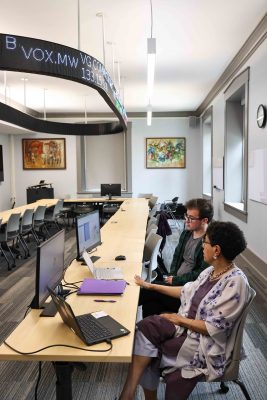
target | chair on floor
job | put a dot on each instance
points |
(39, 224)
(151, 229)
(152, 221)
(66, 212)
(52, 216)
(82, 208)
(170, 205)
(9, 233)
(109, 210)
(231, 372)
(25, 229)
(151, 251)
(2, 250)
(152, 202)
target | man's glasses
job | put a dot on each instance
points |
(191, 218)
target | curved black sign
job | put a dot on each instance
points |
(23, 54)
(16, 117)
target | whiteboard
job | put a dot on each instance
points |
(258, 175)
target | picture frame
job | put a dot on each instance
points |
(48, 153)
(165, 152)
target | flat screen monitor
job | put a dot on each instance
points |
(1, 164)
(49, 271)
(87, 232)
(110, 189)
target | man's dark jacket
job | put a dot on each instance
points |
(199, 263)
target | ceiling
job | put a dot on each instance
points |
(196, 40)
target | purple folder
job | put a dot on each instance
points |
(101, 286)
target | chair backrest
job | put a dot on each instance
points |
(13, 223)
(58, 207)
(231, 371)
(152, 220)
(150, 244)
(39, 213)
(151, 227)
(151, 251)
(27, 218)
(152, 202)
(145, 195)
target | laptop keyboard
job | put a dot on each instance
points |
(92, 329)
(108, 273)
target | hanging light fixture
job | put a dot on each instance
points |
(151, 61)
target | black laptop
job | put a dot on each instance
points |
(91, 330)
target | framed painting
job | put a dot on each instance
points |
(165, 152)
(44, 153)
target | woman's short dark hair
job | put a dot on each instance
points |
(203, 206)
(228, 236)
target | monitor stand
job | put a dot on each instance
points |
(50, 308)
(110, 196)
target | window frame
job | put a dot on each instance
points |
(236, 85)
(208, 114)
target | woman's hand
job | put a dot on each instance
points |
(140, 282)
(174, 318)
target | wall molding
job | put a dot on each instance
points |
(254, 263)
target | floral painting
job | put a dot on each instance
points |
(44, 153)
(165, 152)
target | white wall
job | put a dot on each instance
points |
(5, 187)
(64, 181)
(255, 228)
(167, 183)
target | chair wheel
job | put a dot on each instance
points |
(223, 389)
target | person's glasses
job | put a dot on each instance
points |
(191, 218)
(205, 242)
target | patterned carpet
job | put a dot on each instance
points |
(104, 381)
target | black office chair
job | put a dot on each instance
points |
(170, 205)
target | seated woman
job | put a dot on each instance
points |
(198, 341)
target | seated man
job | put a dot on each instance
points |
(187, 261)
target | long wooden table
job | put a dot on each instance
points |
(4, 215)
(123, 234)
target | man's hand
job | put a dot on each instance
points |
(168, 280)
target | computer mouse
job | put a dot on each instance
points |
(120, 258)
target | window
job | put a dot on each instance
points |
(207, 152)
(236, 165)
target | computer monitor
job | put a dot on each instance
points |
(110, 189)
(87, 232)
(49, 271)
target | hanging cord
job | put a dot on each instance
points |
(151, 18)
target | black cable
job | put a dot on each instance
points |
(38, 379)
(151, 13)
(26, 312)
(59, 345)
